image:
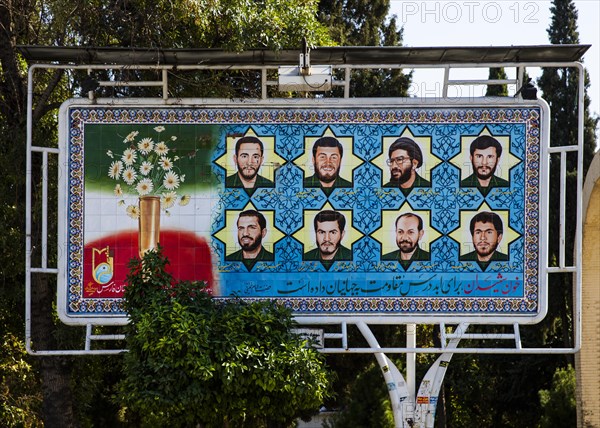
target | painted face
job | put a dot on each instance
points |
(328, 237)
(484, 162)
(485, 239)
(401, 166)
(408, 234)
(249, 233)
(327, 162)
(248, 160)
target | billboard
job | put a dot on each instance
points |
(405, 212)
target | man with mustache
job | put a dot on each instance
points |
(485, 155)
(486, 231)
(327, 159)
(329, 232)
(409, 231)
(248, 159)
(251, 230)
(404, 157)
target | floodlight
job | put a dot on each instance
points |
(315, 78)
(527, 91)
(89, 84)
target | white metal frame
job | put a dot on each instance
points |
(449, 339)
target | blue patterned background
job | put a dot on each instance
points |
(367, 276)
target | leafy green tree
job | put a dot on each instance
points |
(368, 403)
(193, 359)
(20, 398)
(229, 24)
(497, 390)
(559, 404)
(94, 379)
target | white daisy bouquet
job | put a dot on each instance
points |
(147, 168)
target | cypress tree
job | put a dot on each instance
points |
(497, 73)
(560, 89)
(512, 381)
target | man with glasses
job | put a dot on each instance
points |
(404, 157)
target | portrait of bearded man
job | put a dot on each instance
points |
(409, 232)
(485, 152)
(248, 158)
(404, 158)
(327, 154)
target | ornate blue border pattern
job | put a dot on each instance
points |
(366, 284)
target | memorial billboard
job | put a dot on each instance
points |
(407, 212)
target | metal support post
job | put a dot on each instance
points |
(429, 390)
(411, 359)
(401, 407)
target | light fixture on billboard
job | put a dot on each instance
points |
(527, 91)
(305, 78)
(89, 84)
(318, 78)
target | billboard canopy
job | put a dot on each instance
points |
(338, 55)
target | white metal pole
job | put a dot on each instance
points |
(579, 213)
(28, 174)
(411, 359)
(391, 375)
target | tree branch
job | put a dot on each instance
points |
(14, 89)
(41, 108)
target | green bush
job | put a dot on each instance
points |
(20, 398)
(559, 404)
(195, 360)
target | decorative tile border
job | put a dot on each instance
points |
(368, 128)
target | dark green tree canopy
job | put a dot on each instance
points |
(228, 24)
(563, 25)
(366, 23)
(359, 22)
